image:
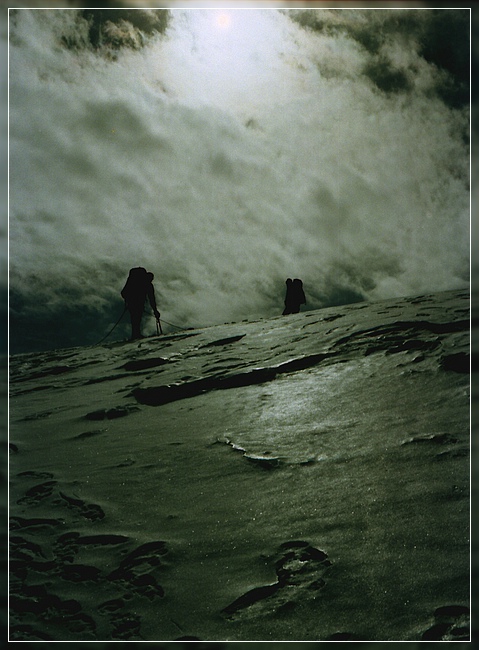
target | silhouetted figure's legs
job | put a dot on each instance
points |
(135, 315)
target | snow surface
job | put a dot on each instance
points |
(298, 478)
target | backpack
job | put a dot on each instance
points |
(135, 287)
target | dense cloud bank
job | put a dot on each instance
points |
(226, 153)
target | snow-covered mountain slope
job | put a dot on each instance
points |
(299, 478)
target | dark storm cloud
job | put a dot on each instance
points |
(117, 28)
(107, 31)
(440, 37)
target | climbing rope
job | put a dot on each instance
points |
(159, 329)
(173, 325)
(108, 334)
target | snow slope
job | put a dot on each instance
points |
(299, 478)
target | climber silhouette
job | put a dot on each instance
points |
(138, 287)
(294, 296)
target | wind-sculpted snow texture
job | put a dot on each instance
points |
(303, 478)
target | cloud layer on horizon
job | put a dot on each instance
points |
(320, 158)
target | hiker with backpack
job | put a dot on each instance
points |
(294, 296)
(139, 287)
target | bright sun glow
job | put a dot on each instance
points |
(236, 59)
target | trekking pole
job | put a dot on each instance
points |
(159, 329)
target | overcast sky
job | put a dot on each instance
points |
(226, 150)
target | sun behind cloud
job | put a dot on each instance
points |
(236, 59)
